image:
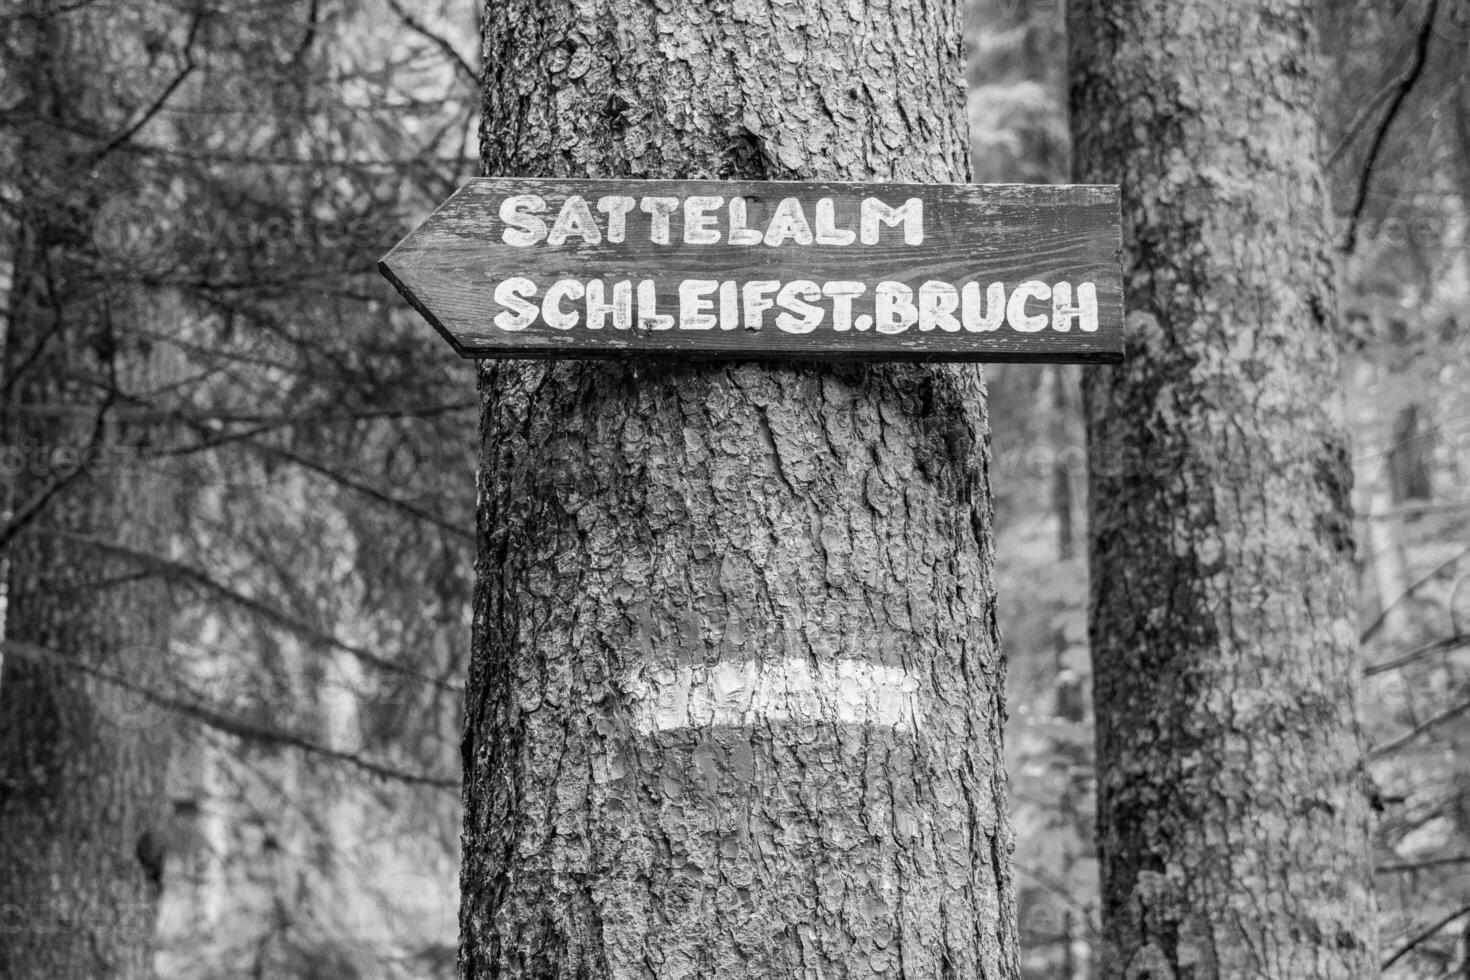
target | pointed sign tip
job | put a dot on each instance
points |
(400, 278)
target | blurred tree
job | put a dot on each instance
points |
(198, 194)
(1233, 826)
(83, 828)
(649, 529)
(1398, 93)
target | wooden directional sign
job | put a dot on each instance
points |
(769, 269)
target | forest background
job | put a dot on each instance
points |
(242, 166)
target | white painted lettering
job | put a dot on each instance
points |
(740, 234)
(551, 312)
(519, 211)
(659, 208)
(729, 305)
(575, 219)
(827, 231)
(1063, 313)
(788, 224)
(616, 207)
(994, 304)
(1016, 314)
(937, 304)
(621, 305)
(513, 294)
(796, 297)
(699, 225)
(757, 299)
(649, 318)
(894, 307)
(693, 304)
(842, 293)
(910, 213)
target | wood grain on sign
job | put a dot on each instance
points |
(512, 267)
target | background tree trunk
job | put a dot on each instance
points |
(735, 700)
(1232, 828)
(83, 821)
(82, 761)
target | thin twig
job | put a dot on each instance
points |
(1405, 85)
(217, 718)
(1449, 714)
(1377, 624)
(1367, 112)
(1426, 934)
(178, 571)
(415, 25)
(361, 488)
(217, 436)
(31, 509)
(312, 17)
(164, 96)
(1403, 867)
(1438, 646)
(1417, 509)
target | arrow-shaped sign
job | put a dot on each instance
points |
(769, 269)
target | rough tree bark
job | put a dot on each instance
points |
(81, 762)
(1233, 831)
(735, 701)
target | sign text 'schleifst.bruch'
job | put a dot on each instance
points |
(909, 266)
(796, 306)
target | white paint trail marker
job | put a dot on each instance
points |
(748, 693)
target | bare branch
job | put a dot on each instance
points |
(32, 508)
(217, 436)
(1420, 937)
(179, 572)
(1404, 867)
(1405, 86)
(220, 720)
(313, 16)
(163, 97)
(359, 487)
(1438, 646)
(1449, 714)
(1377, 624)
(442, 43)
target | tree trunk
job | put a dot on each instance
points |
(1383, 554)
(1232, 829)
(735, 702)
(1058, 380)
(1409, 456)
(82, 762)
